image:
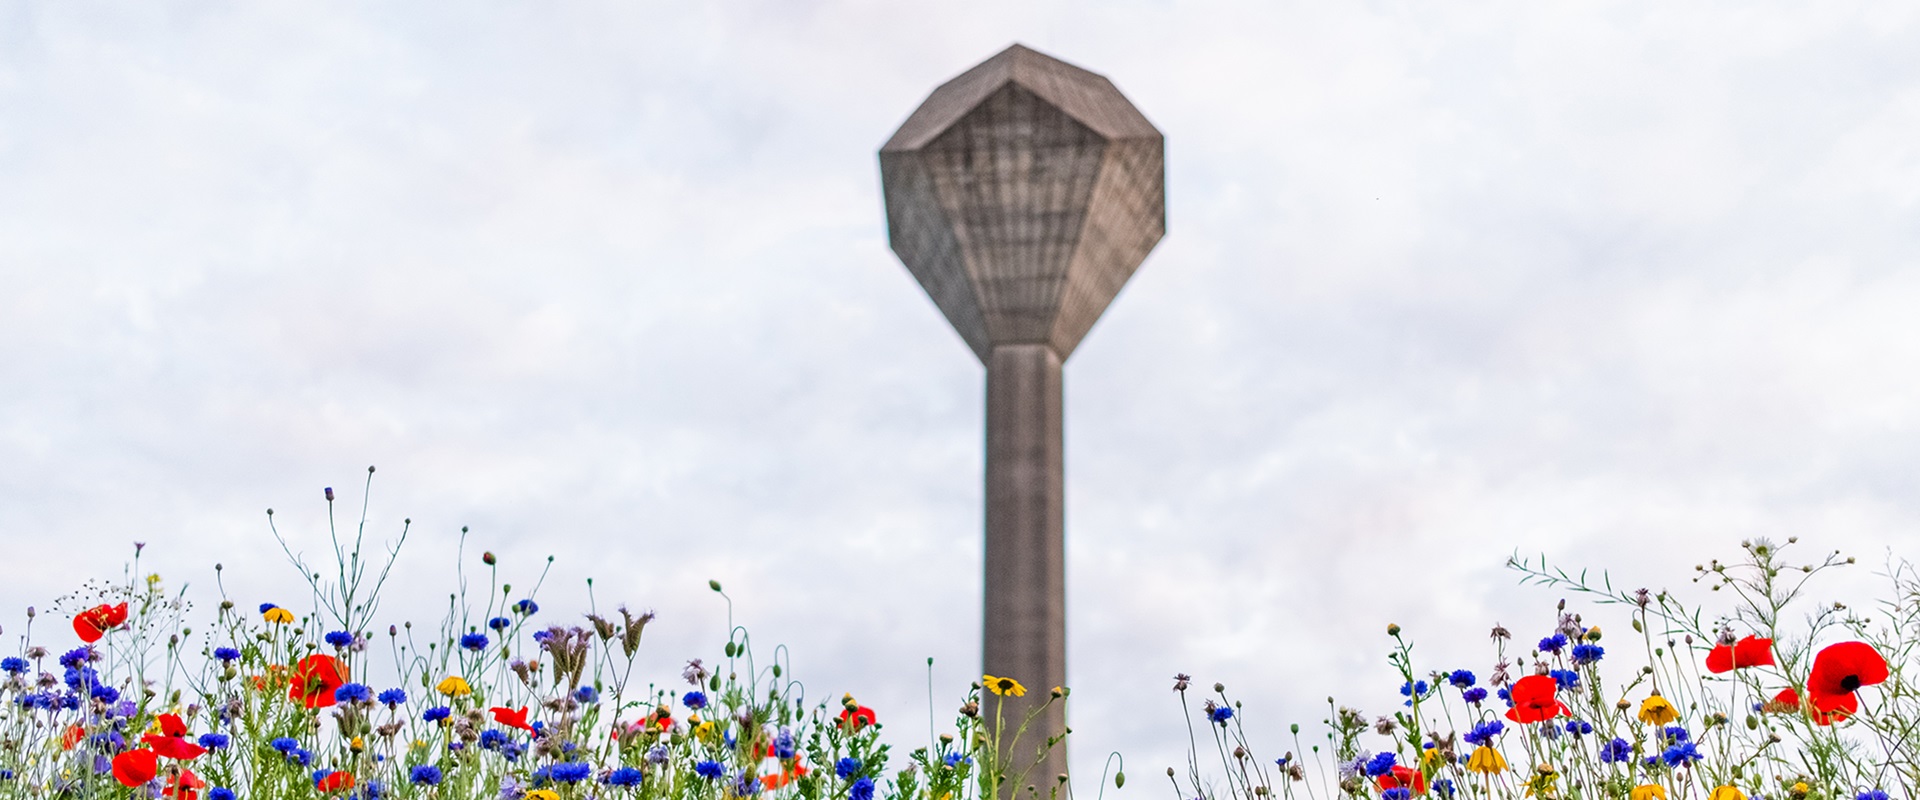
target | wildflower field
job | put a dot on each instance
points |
(307, 697)
(1783, 697)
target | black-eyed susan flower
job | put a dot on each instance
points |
(1648, 791)
(1726, 792)
(1486, 761)
(1003, 686)
(1655, 710)
(275, 614)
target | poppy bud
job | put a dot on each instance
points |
(1219, 687)
(1119, 780)
(714, 585)
(1169, 772)
(487, 558)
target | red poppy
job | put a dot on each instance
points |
(172, 739)
(314, 680)
(72, 736)
(1533, 700)
(1841, 668)
(512, 718)
(94, 623)
(184, 786)
(1752, 651)
(784, 777)
(1826, 710)
(1405, 778)
(333, 782)
(860, 717)
(136, 767)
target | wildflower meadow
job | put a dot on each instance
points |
(118, 692)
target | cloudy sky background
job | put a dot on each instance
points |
(1620, 284)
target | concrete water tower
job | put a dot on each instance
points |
(1022, 195)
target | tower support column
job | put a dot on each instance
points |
(1026, 582)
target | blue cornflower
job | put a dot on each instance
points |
(1674, 734)
(1220, 714)
(353, 693)
(301, 756)
(846, 767)
(424, 775)
(1483, 732)
(1579, 727)
(14, 665)
(783, 744)
(220, 793)
(1587, 653)
(709, 769)
(1380, 764)
(625, 776)
(392, 698)
(1461, 679)
(285, 744)
(474, 641)
(571, 771)
(1444, 787)
(226, 654)
(266, 607)
(1396, 793)
(1876, 794)
(72, 659)
(526, 607)
(214, 741)
(1414, 689)
(694, 700)
(745, 785)
(436, 713)
(371, 790)
(339, 638)
(499, 623)
(587, 695)
(1506, 695)
(1565, 678)
(1474, 695)
(491, 739)
(1617, 751)
(1553, 644)
(1680, 754)
(658, 754)
(861, 790)
(956, 759)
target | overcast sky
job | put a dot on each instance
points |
(1619, 283)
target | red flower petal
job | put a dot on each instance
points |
(135, 767)
(184, 786)
(334, 781)
(1403, 777)
(314, 680)
(1720, 659)
(860, 717)
(1844, 667)
(1533, 700)
(72, 736)
(173, 747)
(1753, 651)
(511, 718)
(171, 725)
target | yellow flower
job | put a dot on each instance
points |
(454, 686)
(542, 794)
(705, 730)
(358, 744)
(277, 615)
(1800, 789)
(1655, 710)
(1003, 686)
(1486, 761)
(1648, 791)
(1541, 784)
(1726, 792)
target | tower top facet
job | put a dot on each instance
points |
(1022, 195)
